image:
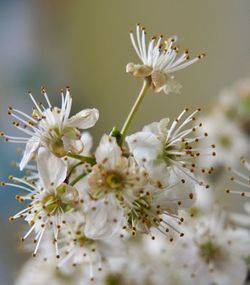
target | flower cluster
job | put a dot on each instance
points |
(97, 209)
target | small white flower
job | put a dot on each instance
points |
(80, 250)
(50, 199)
(241, 178)
(159, 61)
(114, 180)
(158, 209)
(212, 252)
(42, 271)
(125, 197)
(230, 141)
(51, 127)
(161, 147)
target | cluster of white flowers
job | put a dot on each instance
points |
(94, 213)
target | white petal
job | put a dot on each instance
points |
(184, 192)
(153, 128)
(172, 86)
(158, 172)
(105, 221)
(50, 168)
(87, 142)
(157, 128)
(31, 147)
(144, 145)
(108, 150)
(75, 146)
(85, 119)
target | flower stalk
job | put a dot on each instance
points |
(143, 92)
(88, 159)
(78, 178)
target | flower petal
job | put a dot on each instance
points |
(105, 220)
(85, 119)
(182, 188)
(144, 146)
(109, 151)
(157, 128)
(87, 142)
(51, 168)
(31, 147)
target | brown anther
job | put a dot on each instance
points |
(191, 196)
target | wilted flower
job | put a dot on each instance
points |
(159, 61)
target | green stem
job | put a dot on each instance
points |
(78, 178)
(74, 167)
(82, 158)
(145, 87)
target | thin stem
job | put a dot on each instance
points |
(145, 87)
(73, 168)
(78, 178)
(82, 158)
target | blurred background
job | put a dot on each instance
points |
(85, 44)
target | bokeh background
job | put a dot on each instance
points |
(85, 44)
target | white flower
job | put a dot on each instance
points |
(241, 178)
(51, 200)
(125, 197)
(159, 61)
(158, 209)
(212, 252)
(143, 264)
(51, 127)
(80, 250)
(161, 147)
(41, 271)
(234, 101)
(114, 180)
(230, 141)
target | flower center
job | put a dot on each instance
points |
(64, 198)
(225, 141)
(81, 239)
(57, 144)
(167, 153)
(142, 214)
(114, 180)
(114, 279)
(209, 251)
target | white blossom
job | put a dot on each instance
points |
(51, 127)
(50, 200)
(212, 252)
(125, 198)
(79, 250)
(230, 141)
(41, 271)
(161, 147)
(241, 179)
